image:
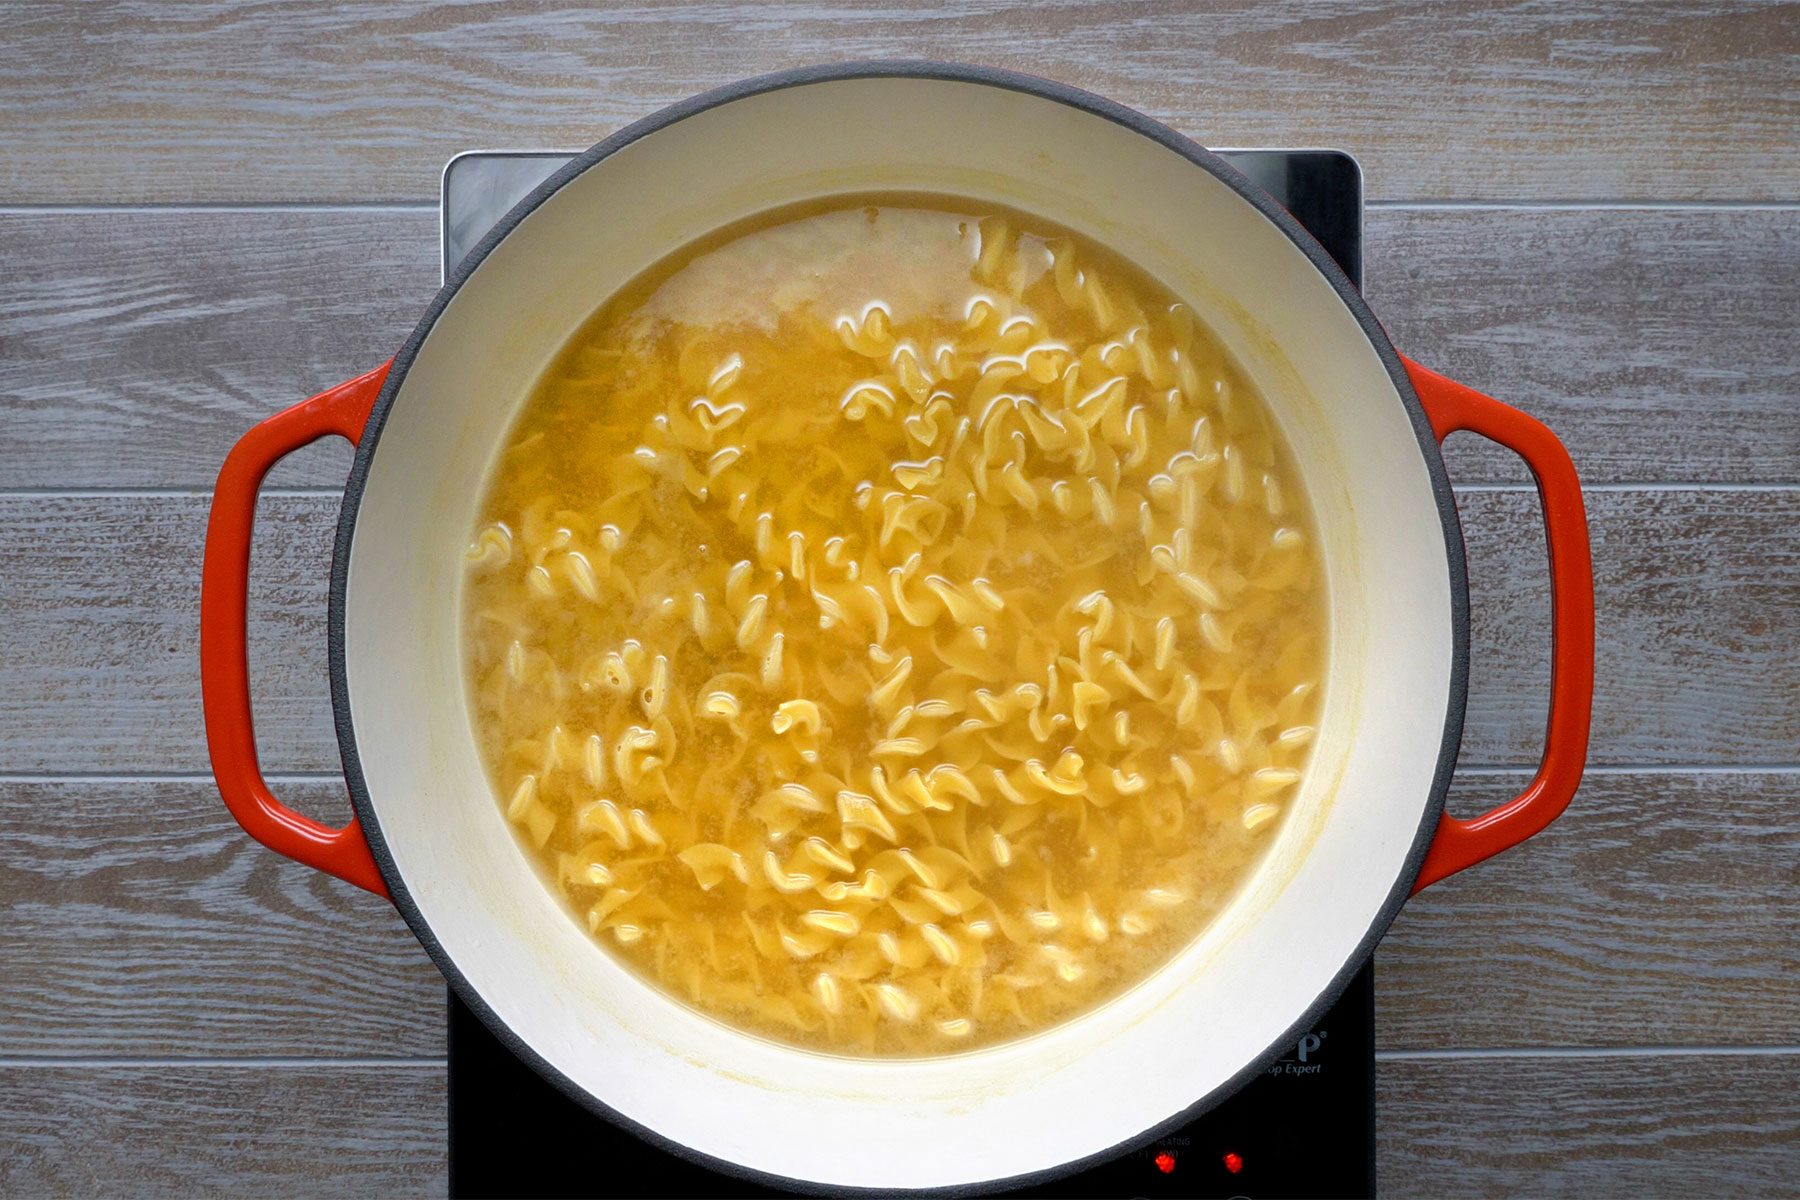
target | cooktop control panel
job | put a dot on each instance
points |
(1301, 1126)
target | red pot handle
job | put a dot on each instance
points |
(224, 657)
(1462, 843)
(343, 410)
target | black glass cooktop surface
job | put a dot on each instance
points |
(1304, 1128)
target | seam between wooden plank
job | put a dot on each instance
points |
(415, 207)
(1674, 485)
(160, 777)
(424, 206)
(1609, 205)
(153, 493)
(325, 489)
(1482, 770)
(1478, 1052)
(104, 1062)
(1485, 769)
(369, 1063)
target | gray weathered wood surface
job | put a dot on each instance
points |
(236, 100)
(149, 920)
(1661, 913)
(1626, 1126)
(170, 1129)
(1588, 209)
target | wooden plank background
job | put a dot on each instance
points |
(235, 100)
(210, 210)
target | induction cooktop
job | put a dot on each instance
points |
(1304, 1128)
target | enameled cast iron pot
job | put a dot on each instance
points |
(1367, 830)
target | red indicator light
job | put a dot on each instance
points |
(1165, 1162)
(1234, 1163)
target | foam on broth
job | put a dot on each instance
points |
(894, 625)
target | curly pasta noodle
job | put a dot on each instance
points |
(894, 629)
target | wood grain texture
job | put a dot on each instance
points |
(139, 918)
(1724, 1125)
(140, 345)
(1699, 630)
(1697, 623)
(237, 100)
(139, 928)
(1659, 910)
(173, 1130)
(137, 915)
(1656, 343)
(103, 675)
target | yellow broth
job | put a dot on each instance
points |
(894, 625)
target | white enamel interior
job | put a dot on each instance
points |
(1086, 1085)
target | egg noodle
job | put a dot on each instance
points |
(894, 625)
